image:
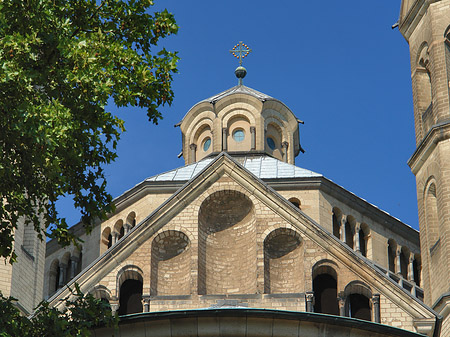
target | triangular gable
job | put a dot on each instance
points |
(222, 165)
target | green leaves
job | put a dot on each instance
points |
(61, 62)
(81, 313)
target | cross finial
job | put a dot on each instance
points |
(240, 51)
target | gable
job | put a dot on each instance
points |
(226, 233)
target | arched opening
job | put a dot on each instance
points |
(282, 262)
(336, 222)
(102, 293)
(359, 307)
(119, 230)
(227, 244)
(130, 297)
(417, 268)
(273, 140)
(325, 289)
(171, 264)
(431, 215)
(53, 277)
(296, 202)
(358, 297)
(392, 247)
(129, 283)
(422, 83)
(363, 239)
(106, 239)
(131, 219)
(349, 232)
(404, 261)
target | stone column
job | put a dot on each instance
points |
(127, 227)
(341, 304)
(398, 265)
(376, 308)
(193, 148)
(146, 303)
(411, 268)
(342, 227)
(309, 296)
(253, 138)
(224, 139)
(115, 237)
(62, 273)
(114, 306)
(285, 146)
(356, 246)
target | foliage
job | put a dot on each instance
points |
(81, 313)
(62, 62)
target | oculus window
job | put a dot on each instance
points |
(271, 143)
(238, 135)
(206, 144)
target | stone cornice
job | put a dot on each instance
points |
(437, 133)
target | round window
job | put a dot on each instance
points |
(206, 144)
(238, 135)
(271, 143)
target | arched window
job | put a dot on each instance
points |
(129, 288)
(325, 289)
(53, 277)
(358, 297)
(131, 219)
(417, 267)
(404, 261)
(130, 297)
(282, 261)
(349, 232)
(362, 240)
(392, 247)
(106, 239)
(296, 202)
(423, 89)
(336, 222)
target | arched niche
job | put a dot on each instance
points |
(129, 290)
(102, 293)
(227, 244)
(357, 300)
(171, 264)
(273, 140)
(431, 214)
(283, 262)
(203, 139)
(325, 288)
(239, 137)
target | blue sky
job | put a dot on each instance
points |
(337, 65)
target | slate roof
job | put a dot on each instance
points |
(264, 167)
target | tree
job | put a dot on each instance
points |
(62, 62)
(81, 313)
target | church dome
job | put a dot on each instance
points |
(240, 120)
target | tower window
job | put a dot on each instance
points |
(271, 143)
(206, 144)
(239, 135)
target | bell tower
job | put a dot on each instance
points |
(425, 24)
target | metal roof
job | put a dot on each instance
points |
(239, 89)
(264, 167)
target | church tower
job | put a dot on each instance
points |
(425, 24)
